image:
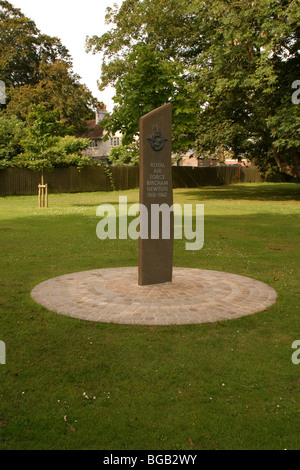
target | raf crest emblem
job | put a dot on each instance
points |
(157, 141)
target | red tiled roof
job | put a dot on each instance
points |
(94, 131)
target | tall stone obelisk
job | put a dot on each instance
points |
(156, 194)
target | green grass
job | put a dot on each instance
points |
(227, 385)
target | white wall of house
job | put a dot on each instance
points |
(100, 148)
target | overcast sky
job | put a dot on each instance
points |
(72, 21)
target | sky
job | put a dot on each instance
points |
(71, 21)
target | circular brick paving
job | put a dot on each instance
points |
(113, 296)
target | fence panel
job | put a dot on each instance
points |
(125, 177)
(19, 181)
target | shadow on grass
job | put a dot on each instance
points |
(254, 191)
(241, 191)
(111, 203)
(259, 192)
(251, 191)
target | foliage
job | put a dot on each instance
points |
(12, 131)
(254, 50)
(58, 89)
(227, 68)
(125, 155)
(151, 80)
(46, 144)
(24, 48)
(109, 176)
(37, 69)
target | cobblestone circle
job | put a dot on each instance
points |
(114, 296)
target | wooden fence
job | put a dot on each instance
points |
(18, 181)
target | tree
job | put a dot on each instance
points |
(46, 144)
(233, 64)
(37, 69)
(23, 47)
(151, 80)
(140, 61)
(58, 89)
(244, 76)
(12, 131)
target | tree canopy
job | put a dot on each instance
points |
(12, 132)
(46, 144)
(58, 89)
(24, 48)
(37, 69)
(226, 66)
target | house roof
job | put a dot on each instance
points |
(94, 130)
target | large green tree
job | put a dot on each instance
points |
(12, 132)
(23, 47)
(227, 66)
(150, 81)
(46, 143)
(245, 75)
(59, 89)
(37, 69)
(141, 60)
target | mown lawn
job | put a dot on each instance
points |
(70, 384)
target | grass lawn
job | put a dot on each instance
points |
(70, 384)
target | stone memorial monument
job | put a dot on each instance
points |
(163, 295)
(156, 193)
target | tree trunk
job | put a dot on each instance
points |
(296, 157)
(286, 167)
